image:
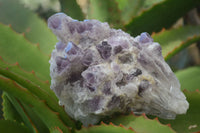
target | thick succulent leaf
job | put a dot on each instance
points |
(15, 48)
(40, 93)
(122, 3)
(141, 124)
(21, 112)
(50, 118)
(162, 14)
(189, 78)
(13, 111)
(71, 8)
(25, 21)
(105, 11)
(150, 3)
(32, 87)
(188, 123)
(9, 111)
(31, 76)
(56, 130)
(7, 126)
(103, 128)
(174, 40)
(39, 125)
(129, 8)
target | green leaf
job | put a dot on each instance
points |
(122, 4)
(9, 111)
(105, 11)
(25, 21)
(129, 9)
(189, 78)
(40, 93)
(150, 3)
(21, 112)
(142, 124)
(50, 118)
(174, 40)
(188, 123)
(132, 8)
(15, 48)
(31, 76)
(103, 128)
(56, 130)
(71, 8)
(38, 124)
(7, 126)
(162, 15)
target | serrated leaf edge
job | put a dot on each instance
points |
(14, 122)
(155, 119)
(37, 45)
(33, 125)
(28, 72)
(23, 90)
(42, 95)
(56, 128)
(195, 91)
(183, 44)
(140, 12)
(144, 11)
(110, 124)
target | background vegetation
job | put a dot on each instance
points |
(26, 43)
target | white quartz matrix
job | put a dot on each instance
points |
(97, 71)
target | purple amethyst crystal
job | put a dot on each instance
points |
(87, 58)
(117, 49)
(104, 50)
(60, 46)
(145, 38)
(90, 78)
(55, 22)
(61, 63)
(97, 71)
(107, 88)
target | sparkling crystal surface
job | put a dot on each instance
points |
(97, 71)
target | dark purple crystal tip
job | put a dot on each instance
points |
(145, 38)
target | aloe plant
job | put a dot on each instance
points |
(29, 105)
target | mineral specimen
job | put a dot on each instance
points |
(97, 71)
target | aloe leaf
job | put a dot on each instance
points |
(132, 8)
(15, 48)
(21, 112)
(174, 40)
(188, 123)
(35, 120)
(150, 3)
(142, 124)
(16, 71)
(71, 8)
(162, 15)
(104, 128)
(40, 93)
(129, 9)
(105, 11)
(50, 118)
(56, 130)
(34, 28)
(7, 126)
(189, 78)
(9, 111)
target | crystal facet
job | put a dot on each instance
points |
(97, 71)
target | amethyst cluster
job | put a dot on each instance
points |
(97, 71)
